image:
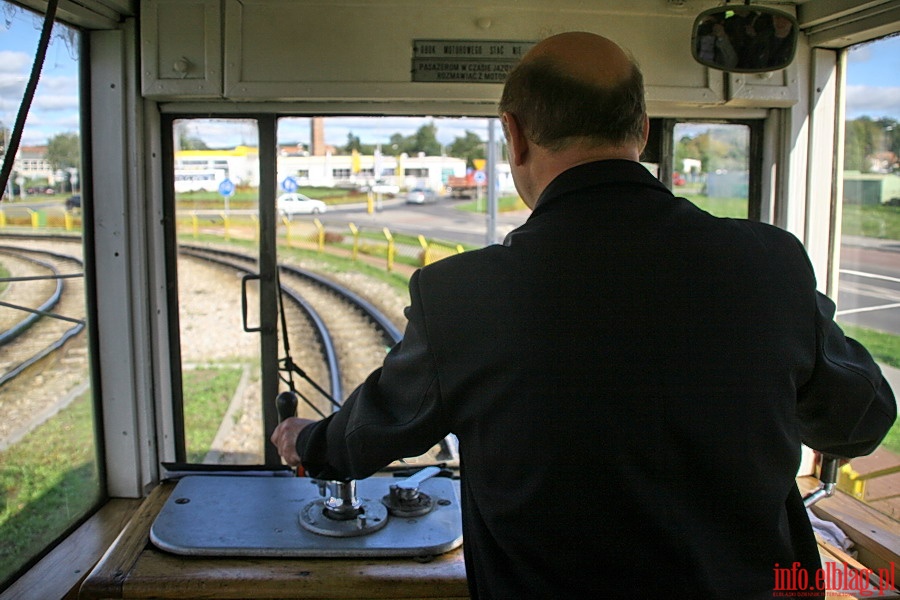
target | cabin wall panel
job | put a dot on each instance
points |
(341, 51)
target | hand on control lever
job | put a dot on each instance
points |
(285, 438)
(285, 435)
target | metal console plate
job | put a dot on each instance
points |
(212, 515)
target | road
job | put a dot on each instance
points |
(870, 270)
(439, 221)
(870, 285)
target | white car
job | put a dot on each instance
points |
(298, 204)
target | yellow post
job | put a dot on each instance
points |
(459, 249)
(321, 234)
(426, 259)
(287, 229)
(370, 203)
(70, 222)
(35, 219)
(355, 231)
(225, 223)
(390, 249)
(2, 219)
(195, 224)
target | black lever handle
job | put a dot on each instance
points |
(286, 406)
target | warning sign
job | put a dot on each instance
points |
(477, 61)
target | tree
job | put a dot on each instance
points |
(469, 147)
(64, 151)
(186, 141)
(865, 139)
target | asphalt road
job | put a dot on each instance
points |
(870, 285)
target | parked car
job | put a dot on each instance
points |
(73, 202)
(298, 204)
(421, 196)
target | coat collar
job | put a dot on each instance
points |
(593, 174)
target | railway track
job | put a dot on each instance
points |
(336, 336)
(43, 356)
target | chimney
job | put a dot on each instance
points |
(317, 136)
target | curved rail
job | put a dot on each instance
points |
(324, 336)
(391, 332)
(42, 311)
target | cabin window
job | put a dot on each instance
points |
(711, 167)
(50, 478)
(868, 300)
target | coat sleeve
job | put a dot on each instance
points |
(395, 413)
(847, 406)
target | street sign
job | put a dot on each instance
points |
(289, 184)
(480, 177)
(226, 188)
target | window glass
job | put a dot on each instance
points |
(49, 475)
(869, 283)
(216, 179)
(712, 167)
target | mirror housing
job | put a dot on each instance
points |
(744, 39)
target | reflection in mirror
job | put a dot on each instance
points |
(744, 39)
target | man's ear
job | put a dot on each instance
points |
(515, 137)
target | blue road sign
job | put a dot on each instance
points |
(289, 184)
(226, 188)
(480, 177)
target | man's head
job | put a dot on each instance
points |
(576, 97)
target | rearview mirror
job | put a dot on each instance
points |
(744, 39)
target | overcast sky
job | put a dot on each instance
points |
(873, 89)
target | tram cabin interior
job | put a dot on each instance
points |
(150, 66)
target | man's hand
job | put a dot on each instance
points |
(285, 438)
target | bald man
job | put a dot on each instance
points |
(630, 379)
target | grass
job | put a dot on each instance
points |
(885, 347)
(48, 481)
(873, 221)
(504, 204)
(207, 394)
(733, 208)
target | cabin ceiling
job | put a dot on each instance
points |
(828, 23)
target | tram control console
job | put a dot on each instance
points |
(381, 516)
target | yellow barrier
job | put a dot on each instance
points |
(2, 219)
(355, 231)
(854, 483)
(426, 255)
(320, 235)
(390, 249)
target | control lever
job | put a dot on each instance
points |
(828, 474)
(286, 406)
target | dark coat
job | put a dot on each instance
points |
(630, 380)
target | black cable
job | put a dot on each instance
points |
(16, 136)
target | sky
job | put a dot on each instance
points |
(873, 79)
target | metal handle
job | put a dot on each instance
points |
(244, 281)
(412, 482)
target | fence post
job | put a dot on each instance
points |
(225, 224)
(69, 221)
(2, 219)
(390, 249)
(355, 231)
(35, 218)
(426, 258)
(195, 224)
(321, 234)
